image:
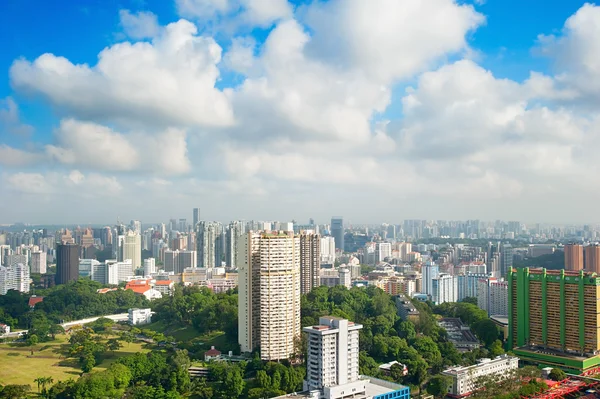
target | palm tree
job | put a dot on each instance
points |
(43, 381)
(39, 382)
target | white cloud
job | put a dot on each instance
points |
(202, 8)
(265, 12)
(141, 25)
(10, 119)
(29, 183)
(390, 39)
(98, 147)
(14, 157)
(169, 82)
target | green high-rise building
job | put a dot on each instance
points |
(554, 317)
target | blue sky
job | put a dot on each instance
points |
(368, 95)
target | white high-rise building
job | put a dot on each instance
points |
(444, 289)
(468, 285)
(269, 293)
(87, 267)
(345, 277)
(332, 361)
(384, 250)
(99, 271)
(492, 296)
(118, 271)
(328, 250)
(132, 249)
(16, 259)
(14, 277)
(431, 271)
(206, 241)
(149, 266)
(38, 262)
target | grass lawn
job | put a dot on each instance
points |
(180, 333)
(17, 366)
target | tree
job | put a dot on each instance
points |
(438, 385)
(496, 349)
(113, 345)
(486, 330)
(471, 300)
(14, 391)
(32, 340)
(406, 330)
(557, 374)
(55, 329)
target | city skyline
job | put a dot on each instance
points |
(254, 108)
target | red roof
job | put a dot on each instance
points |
(212, 352)
(138, 286)
(35, 300)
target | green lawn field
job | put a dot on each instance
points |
(18, 366)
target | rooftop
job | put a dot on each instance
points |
(374, 387)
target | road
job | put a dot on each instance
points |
(114, 317)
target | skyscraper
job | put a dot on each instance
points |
(337, 231)
(310, 261)
(67, 263)
(195, 218)
(573, 256)
(591, 258)
(132, 249)
(234, 232)
(506, 258)
(38, 262)
(206, 241)
(269, 293)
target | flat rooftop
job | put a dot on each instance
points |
(374, 387)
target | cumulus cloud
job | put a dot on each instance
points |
(141, 25)
(10, 119)
(15, 157)
(168, 82)
(93, 146)
(390, 39)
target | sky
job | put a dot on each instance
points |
(378, 110)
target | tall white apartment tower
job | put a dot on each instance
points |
(332, 353)
(269, 293)
(38, 262)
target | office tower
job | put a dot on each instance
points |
(14, 277)
(87, 267)
(87, 238)
(206, 240)
(492, 296)
(149, 266)
(132, 249)
(328, 250)
(333, 348)
(269, 293)
(106, 236)
(136, 226)
(573, 257)
(310, 261)
(171, 261)
(67, 263)
(187, 259)
(67, 238)
(506, 258)
(195, 218)
(38, 262)
(553, 317)
(234, 232)
(337, 231)
(591, 258)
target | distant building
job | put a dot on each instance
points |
(459, 334)
(573, 257)
(211, 354)
(337, 231)
(492, 296)
(386, 368)
(464, 379)
(310, 261)
(591, 258)
(406, 310)
(139, 317)
(535, 250)
(38, 262)
(4, 329)
(15, 277)
(67, 263)
(327, 250)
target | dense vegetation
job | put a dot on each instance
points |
(72, 301)
(555, 261)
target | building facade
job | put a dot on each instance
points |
(573, 256)
(492, 296)
(14, 277)
(591, 258)
(337, 232)
(38, 262)
(553, 317)
(465, 379)
(67, 263)
(269, 293)
(310, 261)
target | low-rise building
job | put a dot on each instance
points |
(406, 310)
(386, 368)
(459, 334)
(465, 378)
(138, 317)
(211, 354)
(4, 329)
(165, 287)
